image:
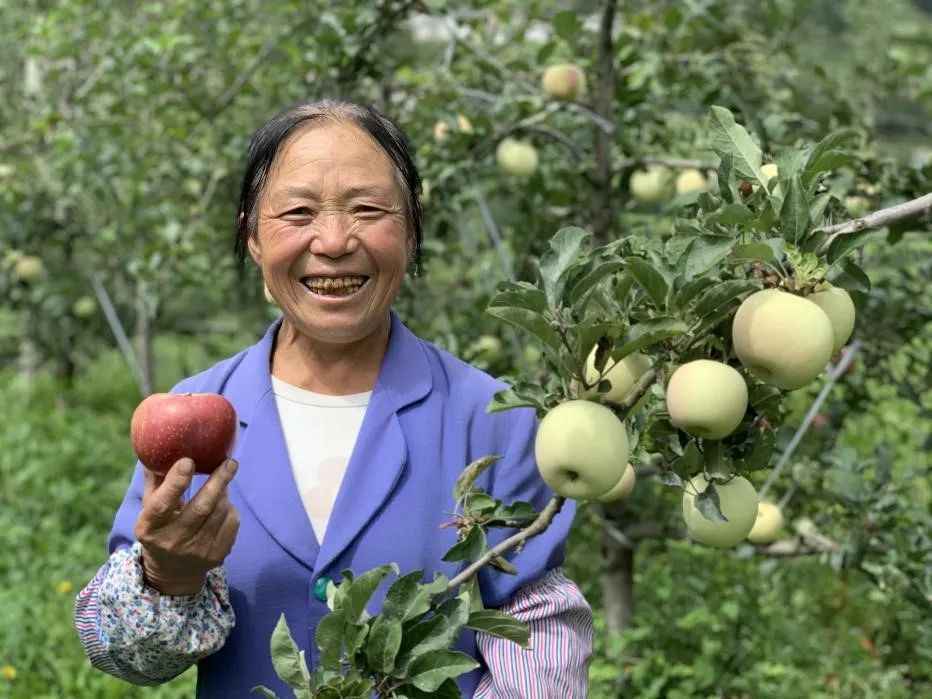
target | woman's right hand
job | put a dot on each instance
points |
(182, 541)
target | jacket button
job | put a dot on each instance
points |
(320, 588)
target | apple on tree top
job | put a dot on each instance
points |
(167, 427)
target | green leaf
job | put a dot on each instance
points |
(794, 214)
(760, 454)
(817, 161)
(650, 279)
(448, 690)
(495, 623)
(479, 503)
(752, 252)
(853, 277)
(264, 691)
(509, 399)
(567, 25)
(691, 290)
(843, 244)
(723, 294)
(565, 246)
(470, 548)
(428, 671)
(648, 333)
(438, 632)
(592, 279)
(691, 459)
(729, 138)
(516, 514)
(732, 215)
(383, 644)
(407, 597)
(530, 321)
(361, 590)
(329, 639)
(520, 295)
(705, 253)
(469, 475)
(287, 660)
(726, 181)
(708, 504)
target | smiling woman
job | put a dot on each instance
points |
(352, 432)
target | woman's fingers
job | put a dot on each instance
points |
(203, 505)
(165, 495)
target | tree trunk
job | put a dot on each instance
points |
(604, 103)
(617, 584)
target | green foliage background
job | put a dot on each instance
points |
(121, 143)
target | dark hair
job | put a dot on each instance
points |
(268, 140)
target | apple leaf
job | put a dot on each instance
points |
(730, 138)
(470, 548)
(794, 214)
(500, 625)
(288, 661)
(329, 639)
(752, 252)
(852, 276)
(761, 452)
(408, 598)
(732, 215)
(565, 247)
(650, 279)
(818, 161)
(726, 180)
(427, 672)
(590, 280)
(467, 478)
(723, 294)
(448, 690)
(264, 691)
(516, 514)
(361, 590)
(522, 395)
(531, 321)
(708, 504)
(670, 478)
(844, 244)
(691, 290)
(647, 333)
(567, 25)
(437, 633)
(383, 644)
(704, 253)
(520, 295)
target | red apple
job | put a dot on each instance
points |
(170, 426)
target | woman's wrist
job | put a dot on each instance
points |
(174, 586)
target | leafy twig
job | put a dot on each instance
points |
(877, 219)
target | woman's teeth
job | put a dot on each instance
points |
(342, 286)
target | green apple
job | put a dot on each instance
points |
(691, 180)
(84, 307)
(516, 157)
(441, 130)
(463, 124)
(767, 524)
(738, 504)
(622, 375)
(488, 346)
(707, 399)
(425, 192)
(28, 268)
(783, 339)
(769, 171)
(622, 488)
(581, 449)
(650, 186)
(564, 81)
(857, 206)
(837, 305)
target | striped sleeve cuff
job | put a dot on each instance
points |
(560, 621)
(137, 634)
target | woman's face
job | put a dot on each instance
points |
(331, 217)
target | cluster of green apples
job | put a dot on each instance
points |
(655, 183)
(582, 448)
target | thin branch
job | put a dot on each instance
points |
(878, 219)
(648, 378)
(603, 214)
(116, 326)
(492, 227)
(533, 529)
(834, 374)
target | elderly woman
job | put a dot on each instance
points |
(352, 432)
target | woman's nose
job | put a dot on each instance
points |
(333, 235)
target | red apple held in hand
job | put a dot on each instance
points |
(170, 426)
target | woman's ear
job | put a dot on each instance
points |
(252, 244)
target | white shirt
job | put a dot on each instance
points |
(320, 433)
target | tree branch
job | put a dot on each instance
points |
(675, 163)
(834, 374)
(878, 219)
(603, 215)
(533, 529)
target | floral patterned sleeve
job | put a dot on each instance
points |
(134, 632)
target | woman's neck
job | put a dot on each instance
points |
(331, 369)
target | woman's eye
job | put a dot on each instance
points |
(367, 210)
(300, 212)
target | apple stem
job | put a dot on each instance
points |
(541, 523)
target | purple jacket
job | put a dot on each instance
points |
(426, 420)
